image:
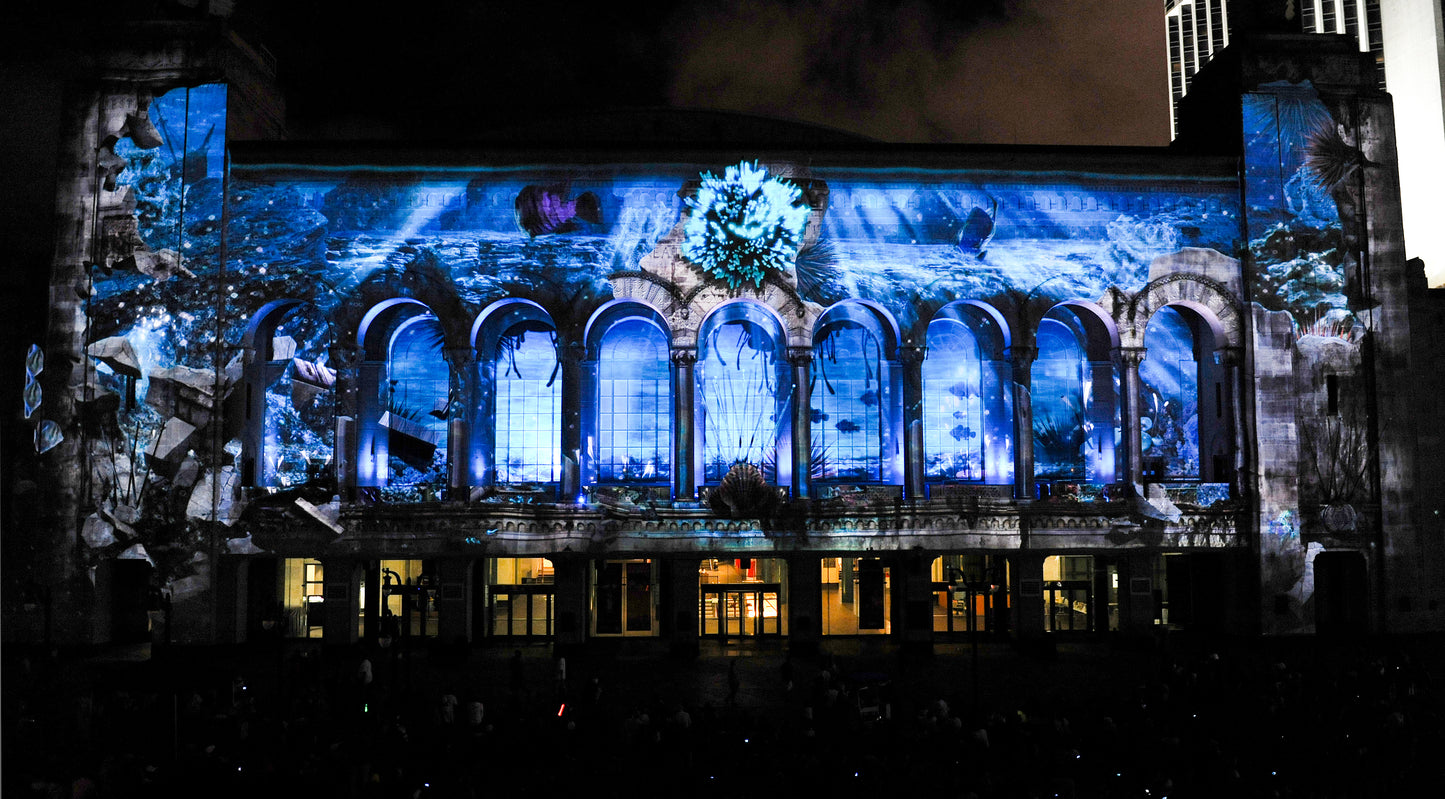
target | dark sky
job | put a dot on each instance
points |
(985, 71)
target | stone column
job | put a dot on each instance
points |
(484, 418)
(684, 480)
(805, 602)
(801, 359)
(911, 359)
(1026, 572)
(1230, 359)
(912, 602)
(371, 602)
(678, 605)
(571, 356)
(461, 405)
(570, 580)
(342, 590)
(1129, 360)
(587, 465)
(345, 360)
(372, 439)
(454, 600)
(253, 435)
(1101, 465)
(1021, 359)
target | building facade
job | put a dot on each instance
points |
(574, 394)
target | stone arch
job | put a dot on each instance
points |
(1212, 300)
(425, 281)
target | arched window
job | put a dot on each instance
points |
(1060, 424)
(1169, 398)
(967, 417)
(528, 402)
(848, 393)
(415, 403)
(634, 404)
(745, 386)
(953, 403)
(290, 395)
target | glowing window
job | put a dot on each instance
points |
(1057, 395)
(847, 396)
(528, 404)
(952, 403)
(738, 376)
(634, 397)
(416, 403)
(1169, 398)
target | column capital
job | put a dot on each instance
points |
(683, 356)
(344, 354)
(1229, 356)
(1132, 356)
(1022, 355)
(459, 356)
(910, 355)
(800, 356)
(571, 352)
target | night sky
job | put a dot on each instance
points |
(985, 71)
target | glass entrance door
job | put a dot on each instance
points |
(1067, 605)
(739, 611)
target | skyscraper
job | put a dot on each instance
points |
(1197, 29)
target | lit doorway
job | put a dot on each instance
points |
(302, 598)
(1069, 593)
(408, 600)
(521, 597)
(741, 598)
(970, 594)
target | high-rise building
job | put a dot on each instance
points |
(1197, 29)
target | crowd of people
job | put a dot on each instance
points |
(381, 724)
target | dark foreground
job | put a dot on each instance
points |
(1176, 717)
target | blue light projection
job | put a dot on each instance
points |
(416, 403)
(1060, 424)
(1169, 404)
(744, 225)
(337, 241)
(634, 401)
(848, 392)
(953, 415)
(1299, 173)
(300, 407)
(744, 388)
(529, 405)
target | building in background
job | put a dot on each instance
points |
(759, 386)
(1405, 42)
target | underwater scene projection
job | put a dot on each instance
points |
(217, 330)
(1301, 190)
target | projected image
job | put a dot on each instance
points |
(1060, 424)
(1170, 402)
(300, 403)
(744, 386)
(634, 401)
(1300, 180)
(416, 404)
(528, 403)
(847, 394)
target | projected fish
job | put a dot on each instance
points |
(978, 230)
(542, 210)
